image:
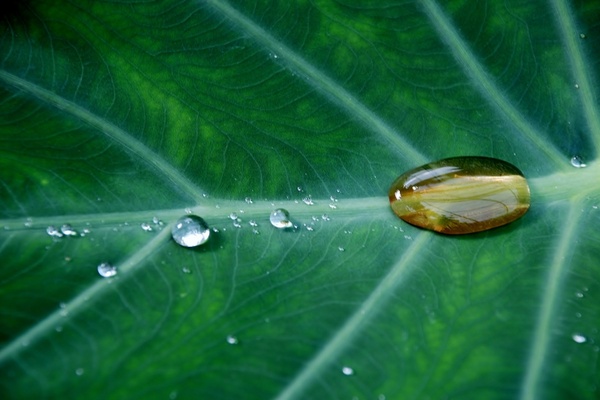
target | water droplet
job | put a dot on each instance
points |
(232, 339)
(52, 231)
(309, 228)
(280, 218)
(582, 36)
(347, 371)
(460, 195)
(59, 328)
(341, 248)
(188, 210)
(325, 217)
(107, 270)
(84, 232)
(576, 86)
(186, 270)
(578, 162)
(579, 294)
(332, 206)
(79, 371)
(173, 395)
(190, 231)
(237, 223)
(253, 223)
(248, 200)
(299, 189)
(146, 227)
(579, 338)
(256, 231)
(28, 222)
(156, 221)
(308, 201)
(233, 216)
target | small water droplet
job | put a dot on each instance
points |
(299, 188)
(157, 221)
(579, 338)
(58, 329)
(79, 371)
(333, 199)
(173, 395)
(186, 270)
(256, 231)
(347, 371)
(308, 201)
(188, 210)
(582, 36)
(579, 294)
(248, 200)
(233, 216)
(52, 231)
(280, 218)
(232, 339)
(84, 232)
(578, 162)
(28, 222)
(146, 227)
(107, 270)
(341, 248)
(325, 217)
(253, 223)
(332, 206)
(237, 223)
(190, 231)
(309, 228)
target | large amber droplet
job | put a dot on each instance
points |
(461, 195)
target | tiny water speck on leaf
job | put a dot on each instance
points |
(107, 270)
(280, 218)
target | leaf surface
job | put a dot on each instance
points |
(115, 114)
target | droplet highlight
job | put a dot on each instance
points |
(190, 231)
(107, 270)
(578, 338)
(347, 371)
(232, 339)
(578, 162)
(460, 195)
(280, 218)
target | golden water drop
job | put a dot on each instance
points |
(460, 195)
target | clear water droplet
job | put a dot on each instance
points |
(186, 270)
(107, 270)
(325, 217)
(309, 228)
(233, 216)
(156, 221)
(582, 36)
(232, 339)
(299, 188)
(280, 218)
(28, 222)
(79, 371)
(341, 248)
(579, 338)
(256, 231)
(332, 206)
(68, 230)
(52, 231)
(190, 231)
(146, 227)
(237, 223)
(578, 162)
(248, 200)
(188, 210)
(347, 371)
(253, 223)
(308, 201)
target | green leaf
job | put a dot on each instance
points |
(115, 114)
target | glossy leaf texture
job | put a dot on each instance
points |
(118, 114)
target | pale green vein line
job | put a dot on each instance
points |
(486, 85)
(180, 182)
(399, 273)
(571, 39)
(86, 297)
(541, 341)
(320, 81)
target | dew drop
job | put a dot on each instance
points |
(248, 200)
(107, 270)
(347, 371)
(582, 36)
(460, 195)
(332, 206)
(341, 248)
(190, 231)
(28, 222)
(253, 223)
(280, 218)
(68, 230)
(325, 217)
(231, 339)
(79, 371)
(146, 227)
(188, 210)
(237, 223)
(309, 228)
(186, 270)
(579, 338)
(52, 231)
(308, 201)
(578, 162)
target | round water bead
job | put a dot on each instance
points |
(280, 218)
(460, 195)
(107, 270)
(190, 231)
